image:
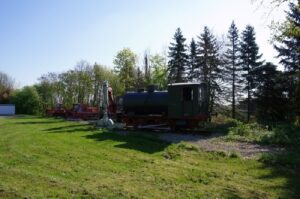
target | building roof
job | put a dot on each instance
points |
(185, 84)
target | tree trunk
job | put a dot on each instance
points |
(248, 103)
(233, 94)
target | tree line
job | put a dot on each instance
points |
(83, 83)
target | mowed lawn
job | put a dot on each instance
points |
(42, 157)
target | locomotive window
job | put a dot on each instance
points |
(187, 94)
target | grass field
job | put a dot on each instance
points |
(42, 158)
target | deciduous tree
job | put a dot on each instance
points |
(159, 74)
(125, 64)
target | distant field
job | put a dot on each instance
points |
(42, 158)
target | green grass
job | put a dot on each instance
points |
(42, 158)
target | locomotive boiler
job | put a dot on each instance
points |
(183, 105)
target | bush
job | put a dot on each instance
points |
(248, 132)
(27, 101)
(222, 124)
(283, 134)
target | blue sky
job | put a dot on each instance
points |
(37, 36)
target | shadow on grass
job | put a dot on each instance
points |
(72, 129)
(40, 122)
(285, 165)
(61, 128)
(132, 141)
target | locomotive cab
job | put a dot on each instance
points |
(187, 101)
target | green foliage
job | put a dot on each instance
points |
(288, 50)
(27, 101)
(193, 61)
(139, 81)
(222, 124)
(288, 47)
(208, 67)
(250, 60)
(232, 69)
(80, 85)
(248, 132)
(269, 92)
(125, 64)
(46, 92)
(159, 73)
(284, 134)
(178, 58)
(281, 134)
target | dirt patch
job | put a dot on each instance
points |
(214, 142)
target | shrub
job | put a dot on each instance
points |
(248, 132)
(222, 124)
(282, 134)
(27, 101)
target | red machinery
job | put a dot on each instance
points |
(82, 111)
(58, 111)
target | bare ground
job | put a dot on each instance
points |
(215, 142)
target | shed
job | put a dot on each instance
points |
(7, 109)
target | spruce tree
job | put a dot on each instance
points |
(289, 52)
(193, 69)
(209, 65)
(232, 65)
(178, 58)
(249, 55)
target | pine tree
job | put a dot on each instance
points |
(209, 63)
(289, 52)
(178, 58)
(249, 55)
(232, 65)
(193, 61)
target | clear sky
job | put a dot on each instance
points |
(40, 36)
